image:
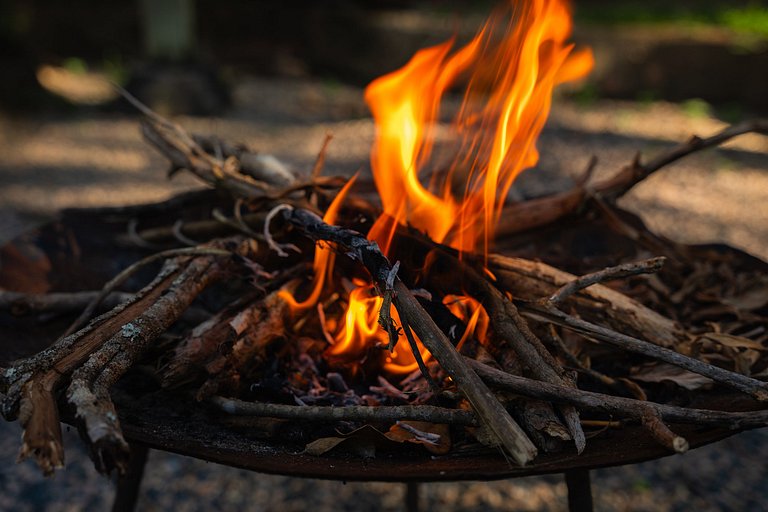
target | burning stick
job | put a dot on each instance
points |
(487, 407)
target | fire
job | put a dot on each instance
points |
(360, 331)
(510, 68)
(508, 72)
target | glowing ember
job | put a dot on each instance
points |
(509, 70)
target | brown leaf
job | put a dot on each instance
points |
(323, 445)
(633, 388)
(666, 372)
(363, 441)
(753, 298)
(729, 340)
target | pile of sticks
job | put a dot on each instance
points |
(526, 391)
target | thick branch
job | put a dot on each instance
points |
(531, 280)
(35, 380)
(90, 384)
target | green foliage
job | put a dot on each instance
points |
(114, 67)
(587, 95)
(696, 108)
(75, 65)
(750, 19)
(641, 485)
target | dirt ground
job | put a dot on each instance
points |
(94, 158)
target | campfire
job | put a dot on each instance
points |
(416, 308)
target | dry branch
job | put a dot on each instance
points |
(758, 390)
(607, 274)
(380, 413)
(615, 187)
(617, 406)
(57, 302)
(33, 382)
(532, 280)
(512, 329)
(534, 213)
(91, 382)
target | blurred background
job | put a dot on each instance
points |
(279, 75)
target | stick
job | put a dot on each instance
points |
(201, 230)
(631, 175)
(485, 404)
(428, 413)
(758, 390)
(543, 211)
(67, 350)
(531, 280)
(59, 302)
(31, 395)
(534, 357)
(90, 383)
(617, 406)
(132, 269)
(649, 266)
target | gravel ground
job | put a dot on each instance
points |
(95, 159)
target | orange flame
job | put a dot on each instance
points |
(324, 258)
(361, 330)
(509, 70)
(513, 68)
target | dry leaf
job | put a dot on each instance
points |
(753, 298)
(729, 340)
(363, 441)
(632, 387)
(666, 372)
(322, 445)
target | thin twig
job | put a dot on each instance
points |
(631, 175)
(24, 303)
(382, 413)
(648, 266)
(132, 269)
(617, 406)
(753, 387)
(275, 246)
(320, 161)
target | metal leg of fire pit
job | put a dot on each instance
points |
(579, 490)
(412, 497)
(128, 485)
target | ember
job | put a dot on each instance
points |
(416, 332)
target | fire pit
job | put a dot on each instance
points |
(433, 347)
